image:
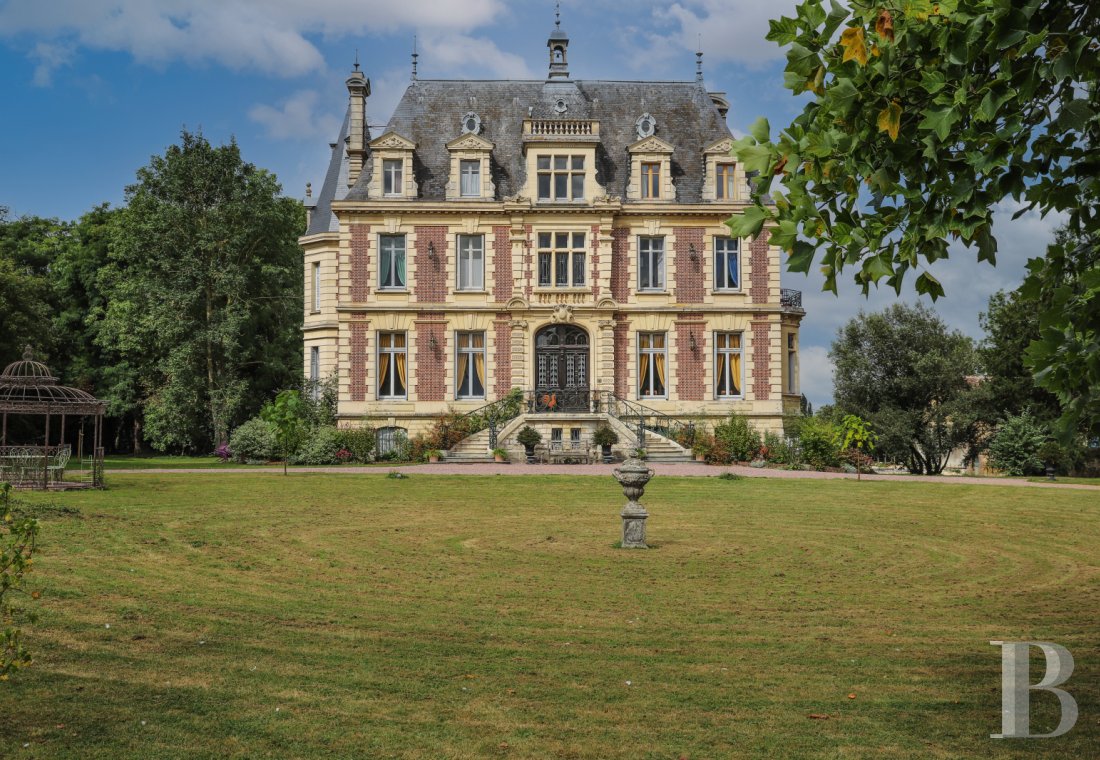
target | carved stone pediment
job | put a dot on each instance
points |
(470, 142)
(392, 141)
(650, 145)
(723, 147)
(563, 312)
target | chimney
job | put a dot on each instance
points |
(358, 92)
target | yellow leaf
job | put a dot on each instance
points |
(889, 119)
(854, 44)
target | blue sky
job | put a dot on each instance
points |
(93, 88)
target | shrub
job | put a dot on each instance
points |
(820, 442)
(704, 444)
(529, 436)
(1015, 448)
(735, 440)
(359, 443)
(253, 442)
(605, 436)
(776, 450)
(321, 447)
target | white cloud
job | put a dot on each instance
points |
(815, 374)
(296, 118)
(460, 56)
(50, 56)
(727, 31)
(269, 35)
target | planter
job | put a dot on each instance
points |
(433, 460)
(606, 453)
(499, 459)
(701, 458)
(530, 452)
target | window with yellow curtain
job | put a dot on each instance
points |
(471, 365)
(652, 356)
(392, 374)
(727, 365)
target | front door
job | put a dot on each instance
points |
(561, 364)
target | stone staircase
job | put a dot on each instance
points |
(661, 449)
(471, 450)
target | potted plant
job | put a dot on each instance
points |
(640, 453)
(605, 438)
(500, 455)
(433, 455)
(529, 438)
(704, 443)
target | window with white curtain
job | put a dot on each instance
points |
(471, 262)
(469, 173)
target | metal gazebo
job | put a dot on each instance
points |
(27, 389)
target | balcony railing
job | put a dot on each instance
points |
(561, 129)
(791, 300)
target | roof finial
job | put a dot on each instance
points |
(414, 57)
(557, 15)
(357, 59)
(699, 60)
(28, 353)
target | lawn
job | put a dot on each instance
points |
(467, 617)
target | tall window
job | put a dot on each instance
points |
(391, 365)
(470, 179)
(727, 365)
(391, 177)
(471, 262)
(316, 271)
(651, 180)
(315, 372)
(651, 365)
(471, 365)
(724, 178)
(792, 353)
(391, 261)
(651, 263)
(561, 259)
(727, 270)
(561, 178)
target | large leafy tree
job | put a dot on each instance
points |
(902, 370)
(922, 115)
(28, 246)
(204, 291)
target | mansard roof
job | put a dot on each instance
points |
(430, 115)
(335, 186)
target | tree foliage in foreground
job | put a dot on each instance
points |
(18, 536)
(923, 116)
(204, 291)
(902, 371)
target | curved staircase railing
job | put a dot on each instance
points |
(642, 418)
(492, 416)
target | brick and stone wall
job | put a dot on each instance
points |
(690, 286)
(620, 264)
(359, 264)
(758, 249)
(431, 367)
(594, 264)
(761, 359)
(622, 357)
(503, 354)
(690, 364)
(431, 273)
(359, 354)
(502, 263)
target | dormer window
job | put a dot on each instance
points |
(470, 179)
(651, 180)
(561, 178)
(724, 187)
(650, 170)
(391, 177)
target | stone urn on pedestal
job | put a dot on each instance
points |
(633, 476)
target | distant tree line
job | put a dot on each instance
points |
(182, 309)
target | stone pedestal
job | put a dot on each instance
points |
(633, 476)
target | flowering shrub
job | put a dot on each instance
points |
(223, 452)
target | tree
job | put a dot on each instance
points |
(856, 433)
(287, 417)
(904, 372)
(28, 246)
(923, 115)
(18, 536)
(204, 291)
(1015, 449)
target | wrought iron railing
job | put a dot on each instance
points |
(551, 400)
(641, 419)
(492, 416)
(791, 300)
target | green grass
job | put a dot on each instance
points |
(480, 617)
(1061, 479)
(170, 462)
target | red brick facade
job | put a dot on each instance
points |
(359, 355)
(431, 368)
(690, 286)
(690, 366)
(431, 271)
(761, 360)
(620, 265)
(622, 357)
(502, 262)
(758, 291)
(503, 360)
(360, 276)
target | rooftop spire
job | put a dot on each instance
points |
(356, 59)
(415, 55)
(558, 44)
(557, 15)
(699, 60)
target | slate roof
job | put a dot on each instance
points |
(335, 186)
(430, 111)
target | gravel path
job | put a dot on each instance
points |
(680, 469)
